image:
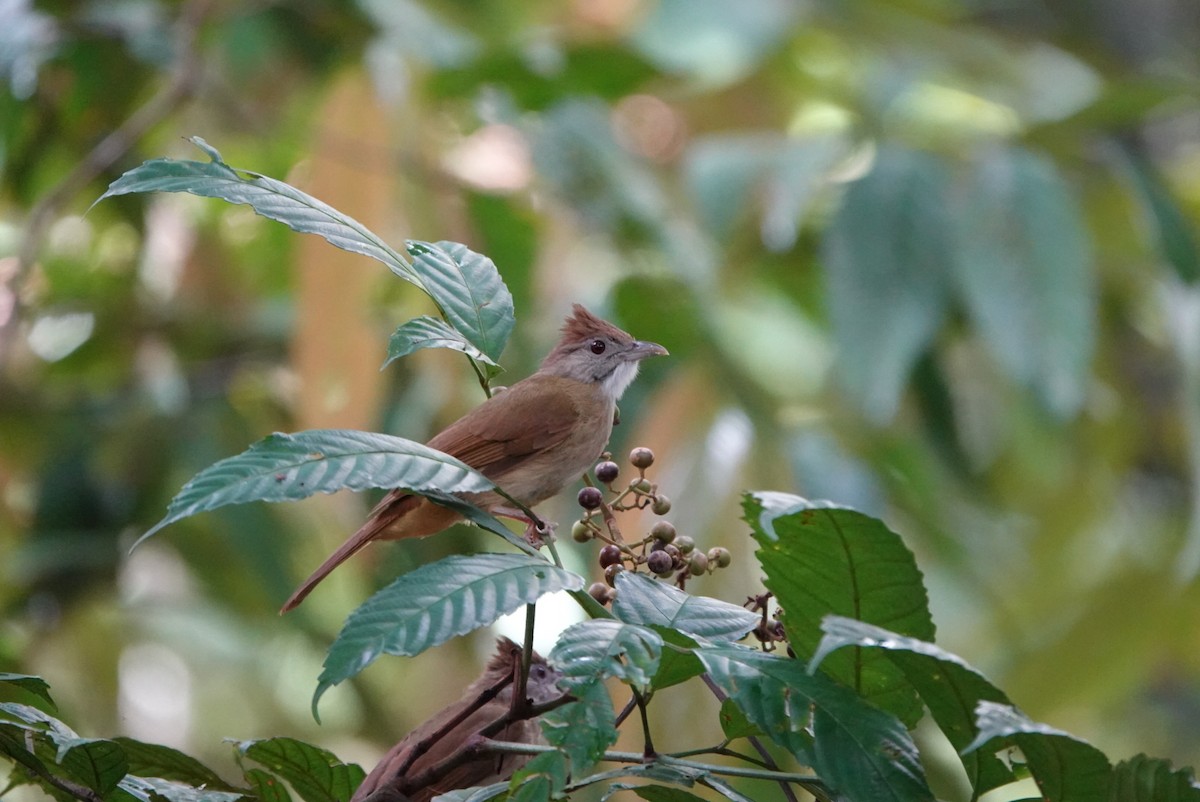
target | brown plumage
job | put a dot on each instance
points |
(389, 779)
(532, 439)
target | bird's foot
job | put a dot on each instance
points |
(539, 533)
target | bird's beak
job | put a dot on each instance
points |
(642, 349)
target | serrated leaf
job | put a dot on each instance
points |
(468, 289)
(428, 332)
(645, 602)
(156, 789)
(316, 774)
(30, 684)
(819, 560)
(163, 762)
(948, 686)
(266, 786)
(286, 467)
(856, 749)
(1064, 767)
(95, 762)
(888, 291)
(603, 648)
(437, 602)
(1147, 779)
(584, 728)
(272, 199)
(1024, 269)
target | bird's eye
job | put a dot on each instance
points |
(597, 346)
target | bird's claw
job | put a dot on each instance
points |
(538, 533)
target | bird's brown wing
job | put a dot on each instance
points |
(497, 436)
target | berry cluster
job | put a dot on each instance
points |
(663, 552)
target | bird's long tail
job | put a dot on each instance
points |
(374, 527)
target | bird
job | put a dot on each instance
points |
(401, 766)
(531, 440)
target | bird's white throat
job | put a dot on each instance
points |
(615, 383)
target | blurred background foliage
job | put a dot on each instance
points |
(935, 259)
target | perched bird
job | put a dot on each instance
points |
(399, 767)
(532, 439)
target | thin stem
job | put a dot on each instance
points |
(624, 714)
(808, 781)
(520, 694)
(648, 752)
(483, 382)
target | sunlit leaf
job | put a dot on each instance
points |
(646, 602)
(156, 789)
(316, 774)
(821, 560)
(95, 762)
(1064, 767)
(436, 602)
(286, 467)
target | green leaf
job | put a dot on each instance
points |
(1024, 269)
(468, 289)
(603, 648)
(888, 262)
(428, 332)
(582, 729)
(1175, 234)
(30, 684)
(1064, 767)
(678, 663)
(948, 686)
(661, 793)
(646, 602)
(286, 467)
(156, 789)
(541, 779)
(314, 773)
(857, 749)
(155, 760)
(95, 762)
(266, 786)
(822, 560)
(435, 603)
(272, 199)
(1146, 779)
(734, 722)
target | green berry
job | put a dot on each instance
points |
(581, 532)
(642, 485)
(720, 557)
(685, 544)
(698, 563)
(663, 531)
(661, 505)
